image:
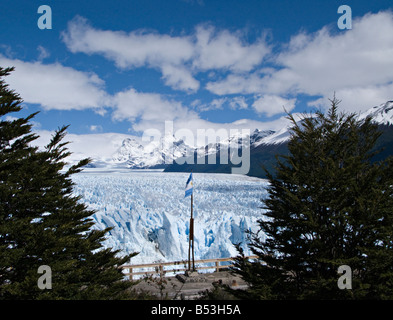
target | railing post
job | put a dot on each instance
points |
(130, 272)
(217, 266)
(161, 270)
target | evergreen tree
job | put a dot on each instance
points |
(328, 205)
(42, 223)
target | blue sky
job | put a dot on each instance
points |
(128, 66)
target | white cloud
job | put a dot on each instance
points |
(215, 104)
(235, 103)
(95, 128)
(238, 103)
(54, 86)
(43, 53)
(99, 146)
(179, 78)
(136, 49)
(225, 50)
(358, 98)
(272, 105)
(148, 109)
(237, 84)
(178, 58)
(355, 63)
(327, 62)
(127, 50)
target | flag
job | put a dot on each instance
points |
(189, 186)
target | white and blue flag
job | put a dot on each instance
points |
(189, 186)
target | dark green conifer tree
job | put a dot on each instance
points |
(328, 205)
(42, 223)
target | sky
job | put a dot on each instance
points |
(124, 67)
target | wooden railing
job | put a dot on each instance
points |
(176, 266)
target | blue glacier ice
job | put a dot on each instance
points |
(149, 214)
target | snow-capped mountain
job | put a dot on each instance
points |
(157, 154)
(152, 155)
(382, 114)
(237, 140)
(111, 150)
(265, 145)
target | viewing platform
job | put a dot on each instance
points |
(173, 280)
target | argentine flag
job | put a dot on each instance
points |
(189, 186)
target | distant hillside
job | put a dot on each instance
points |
(265, 155)
(385, 142)
(262, 156)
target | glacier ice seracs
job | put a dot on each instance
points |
(149, 214)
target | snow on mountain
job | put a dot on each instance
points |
(236, 140)
(114, 150)
(254, 138)
(281, 136)
(154, 154)
(100, 147)
(382, 114)
(135, 155)
(149, 214)
(259, 135)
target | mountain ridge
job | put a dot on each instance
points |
(263, 153)
(173, 154)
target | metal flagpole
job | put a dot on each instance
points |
(191, 236)
(192, 231)
(189, 247)
(191, 239)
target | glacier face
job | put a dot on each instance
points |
(149, 214)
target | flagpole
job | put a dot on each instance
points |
(191, 239)
(192, 235)
(189, 245)
(190, 191)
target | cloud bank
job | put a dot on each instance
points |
(240, 74)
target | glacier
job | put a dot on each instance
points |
(150, 215)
